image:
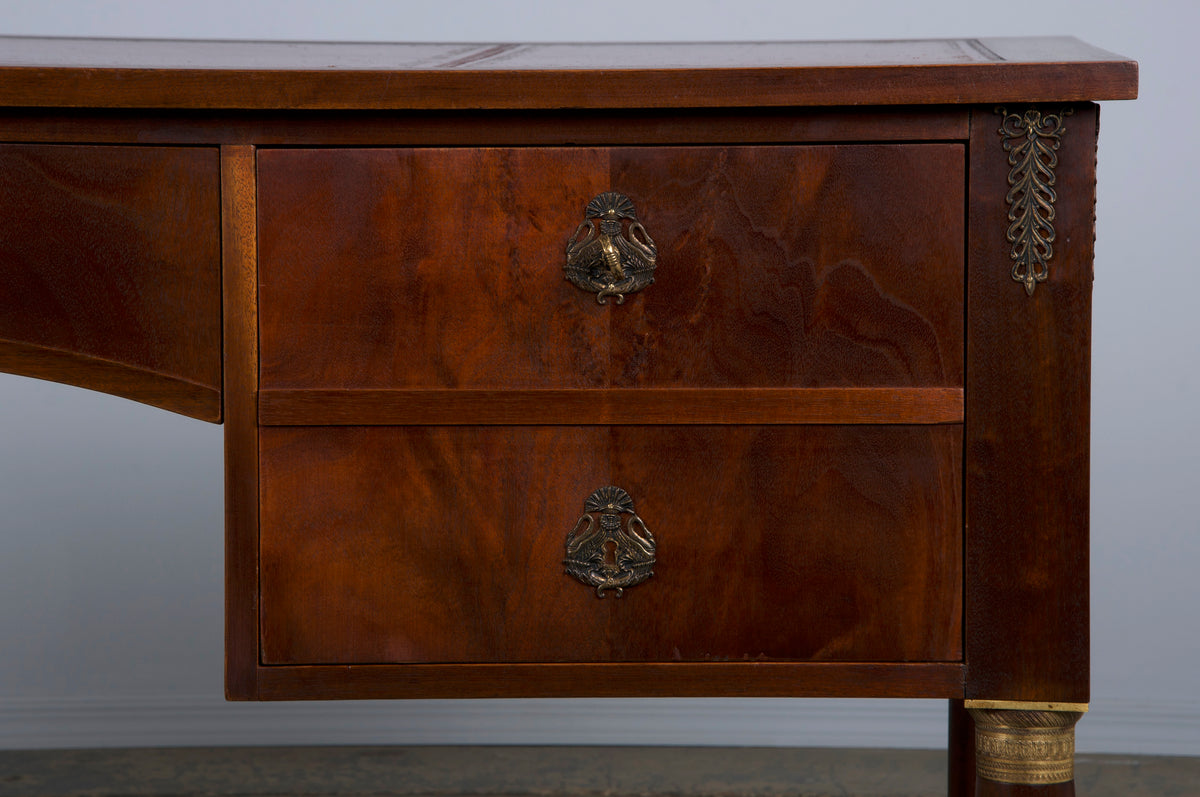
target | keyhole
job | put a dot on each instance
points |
(610, 553)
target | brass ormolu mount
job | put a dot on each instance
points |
(615, 261)
(1031, 140)
(1025, 743)
(602, 553)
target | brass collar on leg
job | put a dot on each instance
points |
(1025, 743)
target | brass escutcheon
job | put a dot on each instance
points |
(615, 261)
(603, 554)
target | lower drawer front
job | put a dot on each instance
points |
(446, 544)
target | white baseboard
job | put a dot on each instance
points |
(1115, 727)
(1143, 727)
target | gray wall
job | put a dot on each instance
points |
(110, 512)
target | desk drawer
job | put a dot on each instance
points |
(446, 544)
(778, 266)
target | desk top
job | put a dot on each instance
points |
(127, 73)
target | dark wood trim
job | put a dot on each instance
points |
(1026, 433)
(350, 89)
(726, 679)
(120, 379)
(240, 294)
(882, 405)
(488, 129)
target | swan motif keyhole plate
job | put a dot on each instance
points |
(610, 547)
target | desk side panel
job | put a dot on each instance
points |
(110, 258)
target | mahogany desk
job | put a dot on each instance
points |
(600, 370)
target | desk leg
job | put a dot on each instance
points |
(1022, 751)
(961, 752)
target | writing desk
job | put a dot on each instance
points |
(600, 370)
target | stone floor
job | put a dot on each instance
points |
(538, 772)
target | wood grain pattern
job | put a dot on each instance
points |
(240, 319)
(118, 379)
(148, 74)
(725, 679)
(835, 543)
(627, 406)
(444, 544)
(1027, 433)
(804, 266)
(112, 254)
(776, 268)
(425, 268)
(383, 544)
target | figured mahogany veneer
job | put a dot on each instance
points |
(861, 445)
(443, 268)
(115, 257)
(398, 544)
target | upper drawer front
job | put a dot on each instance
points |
(777, 266)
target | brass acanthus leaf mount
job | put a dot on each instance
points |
(1031, 140)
